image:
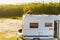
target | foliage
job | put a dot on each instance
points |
(11, 10)
(37, 8)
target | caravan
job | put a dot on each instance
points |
(41, 27)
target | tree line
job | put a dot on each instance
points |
(37, 8)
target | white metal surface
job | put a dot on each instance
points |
(41, 31)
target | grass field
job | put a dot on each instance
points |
(8, 28)
(4, 37)
(11, 38)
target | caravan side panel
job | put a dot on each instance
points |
(43, 31)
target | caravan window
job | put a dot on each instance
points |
(48, 24)
(33, 25)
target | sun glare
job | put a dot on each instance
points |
(25, 1)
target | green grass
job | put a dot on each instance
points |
(18, 18)
(3, 37)
(12, 38)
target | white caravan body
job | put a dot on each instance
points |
(40, 26)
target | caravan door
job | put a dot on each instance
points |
(58, 29)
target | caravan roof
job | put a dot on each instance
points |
(55, 17)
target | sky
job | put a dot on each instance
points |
(25, 1)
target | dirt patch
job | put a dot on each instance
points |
(9, 27)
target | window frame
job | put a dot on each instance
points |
(36, 25)
(48, 24)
